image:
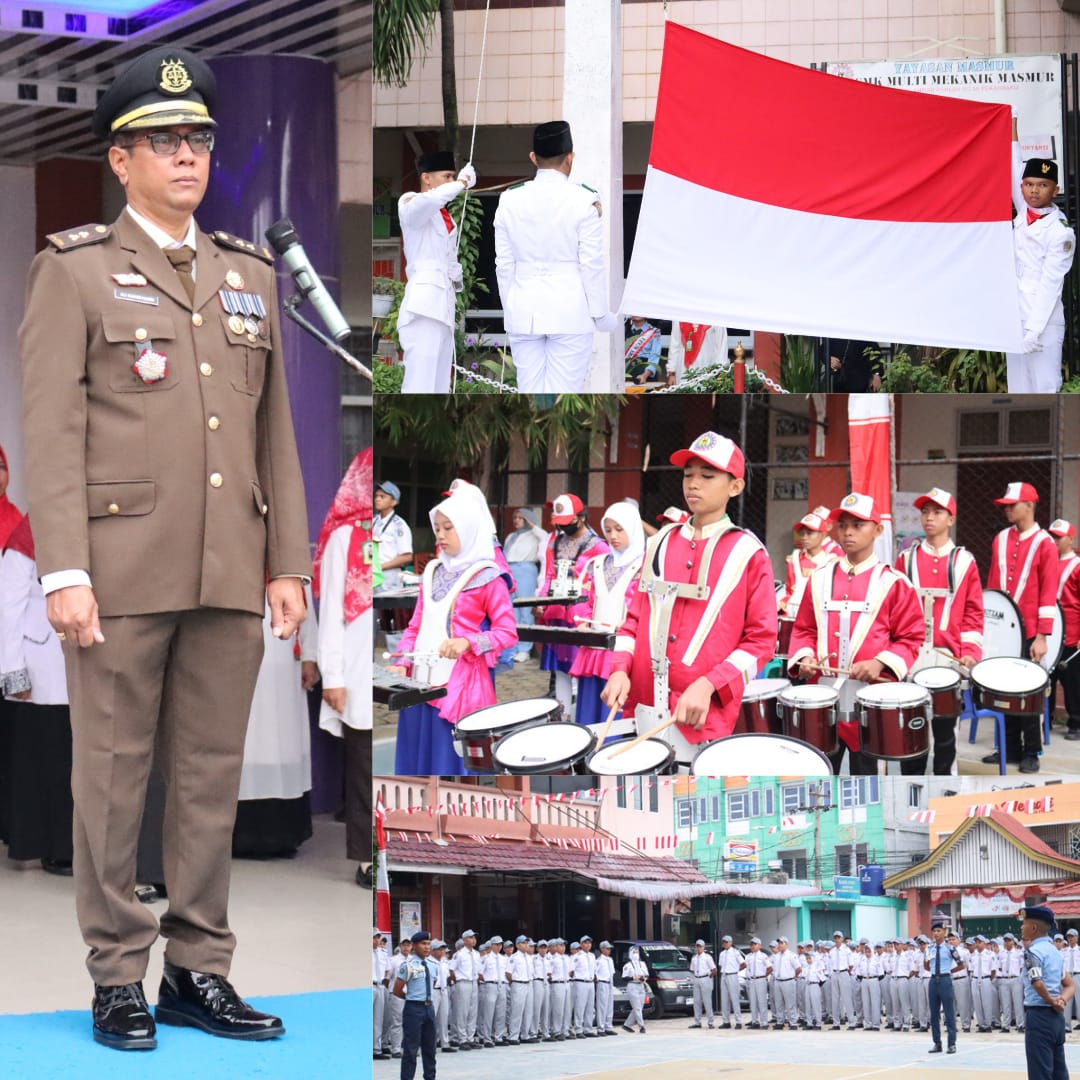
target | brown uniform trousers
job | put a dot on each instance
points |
(179, 497)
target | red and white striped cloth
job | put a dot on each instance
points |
(792, 200)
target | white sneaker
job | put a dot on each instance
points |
(521, 658)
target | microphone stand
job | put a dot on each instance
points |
(292, 304)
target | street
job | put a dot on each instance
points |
(762, 1055)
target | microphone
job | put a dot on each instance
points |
(283, 239)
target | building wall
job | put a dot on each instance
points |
(522, 79)
(951, 811)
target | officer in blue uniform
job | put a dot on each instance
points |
(1048, 989)
(415, 985)
(941, 961)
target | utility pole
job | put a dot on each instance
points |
(819, 803)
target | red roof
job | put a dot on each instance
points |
(499, 855)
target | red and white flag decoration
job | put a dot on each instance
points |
(922, 817)
(792, 200)
(869, 426)
(382, 885)
(785, 824)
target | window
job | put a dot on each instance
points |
(696, 811)
(637, 793)
(654, 796)
(845, 864)
(752, 803)
(1074, 842)
(620, 795)
(914, 796)
(794, 863)
(858, 791)
(684, 813)
(792, 798)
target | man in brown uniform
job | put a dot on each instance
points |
(166, 497)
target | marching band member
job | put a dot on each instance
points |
(570, 546)
(861, 619)
(1024, 566)
(811, 532)
(947, 581)
(609, 581)
(462, 587)
(1068, 594)
(705, 609)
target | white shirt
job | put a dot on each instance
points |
(702, 964)
(605, 968)
(31, 656)
(785, 964)
(430, 254)
(394, 538)
(730, 960)
(520, 967)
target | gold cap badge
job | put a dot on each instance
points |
(174, 77)
(1045, 167)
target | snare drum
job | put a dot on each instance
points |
(1010, 685)
(476, 735)
(783, 639)
(650, 756)
(943, 684)
(760, 755)
(808, 713)
(557, 748)
(894, 720)
(757, 713)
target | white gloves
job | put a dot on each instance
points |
(457, 276)
(607, 324)
(467, 175)
(1032, 341)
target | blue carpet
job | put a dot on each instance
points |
(326, 1035)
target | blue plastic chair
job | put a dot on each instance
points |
(973, 714)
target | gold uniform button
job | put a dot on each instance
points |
(196, 319)
(113, 508)
(213, 423)
(205, 369)
(141, 334)
(215, 480)
(252, 338)
(265, 509)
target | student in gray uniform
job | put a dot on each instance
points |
(440, 990)
(1010, 984)
(840, 961)
(395, 1006)
(785, 971)
(487, 993)
(983, 970)
(502, 1008)
(730, 963)
(636, 972)
(590, 995)
(605, 990)
(560, 996)
(520, 979)
(539, 989)
(758, 969)
(961, 983)
(702, 973)
(452, 998)
(466, 966)
(816, 975)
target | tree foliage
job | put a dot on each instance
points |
(403, 30)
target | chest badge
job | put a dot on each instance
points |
(129, 280)
(234, 279)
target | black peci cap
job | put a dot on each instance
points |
(1041, 169)
(552, 139)
(437, 161)
(163, 87)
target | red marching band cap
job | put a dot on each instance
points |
(564, 508)
(1016, 493)
(1061, 527)
(716, 450)
(859, 506)
(814, 520)
(939, 497)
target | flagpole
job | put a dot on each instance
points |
(382, 893)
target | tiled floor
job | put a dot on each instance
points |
(299, 924)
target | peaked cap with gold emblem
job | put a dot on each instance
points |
(163, 87)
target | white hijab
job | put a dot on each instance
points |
(479, 500)
(477, 543)
(627, 515)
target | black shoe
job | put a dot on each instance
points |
(517, 1042)
(1029, 763)
(1072, 734)
(738, 1027)
(396, 1054)
(381, 1055)
(449, 1049)
(935, 1049)
(725, 1026)
(695, 1025)
(628, 1029)
(641, 1031)
(465, 1046)
(122, 1018)
(60, 867)
(208, 1002)
(952, 1049)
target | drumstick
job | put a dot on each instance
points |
(843, 671)
(607, 725)
(641, 738)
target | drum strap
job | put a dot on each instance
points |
(436, 624)
(1003, 538)
(865, 612)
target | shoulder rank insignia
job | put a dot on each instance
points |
(596, 201)
(514, 187)
(69, 239)
(227, 240)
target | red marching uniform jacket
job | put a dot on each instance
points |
(891, 631)
(958, 618)
(728, 637)
(801, 565)
(1025, 565)
(1068, 594)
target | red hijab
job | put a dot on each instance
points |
(10, 514)
(352, 506)
(21, 539)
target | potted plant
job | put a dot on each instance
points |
(383, 292)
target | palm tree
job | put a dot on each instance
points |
(404, 30)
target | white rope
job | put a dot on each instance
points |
(472, 149)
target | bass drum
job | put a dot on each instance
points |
(1003, 628)
(760, 755)
(1055, 641)
(1010, 685)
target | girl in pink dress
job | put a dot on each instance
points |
(464, 590)
(609, 582)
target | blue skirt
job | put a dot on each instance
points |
(425, 744)
(590, 709)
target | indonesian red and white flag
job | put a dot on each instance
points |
(382, 885)
(792, 200)
(869, 428)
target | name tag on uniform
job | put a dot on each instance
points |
(137, 298)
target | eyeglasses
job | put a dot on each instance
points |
(166, 143)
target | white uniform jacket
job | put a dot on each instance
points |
(31, 656)
(431, 265)
(549, 256)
